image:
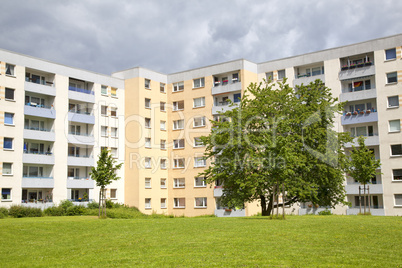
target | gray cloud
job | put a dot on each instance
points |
(170, 36)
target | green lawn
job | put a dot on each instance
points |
(299, 241)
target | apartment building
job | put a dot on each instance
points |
(162, 116)
(53, 121)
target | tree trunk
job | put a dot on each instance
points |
(273, 201)
(369, 199)
(364, 197)
(264, 211)
(283, 200)
(360, 201)
(99, 213)
(278, 190)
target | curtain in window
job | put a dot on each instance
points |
(393, 101)
(394, 125)
(8, 118)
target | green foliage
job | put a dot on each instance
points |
(76, 210)
(111, 204)
(20, 212)
(3, 213)
(279, 136)
(55, 211)
(325, 212)
(65, 204)
(93, 205)
(364, 213)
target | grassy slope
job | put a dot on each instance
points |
(299, 241)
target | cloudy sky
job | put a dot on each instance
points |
(170, 36)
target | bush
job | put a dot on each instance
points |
(325, 212)
(93, 205)
(111, 204)
(65, 204)
(3, 213)
(19, 212)
(55, 211)
(76, 210)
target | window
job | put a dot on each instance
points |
(147, 182)
(393, 102)
(178, 163)
(200, 82)
(235, 77)
(147, 84)
(36, 172)
(104, 131)
(199, 102)
(113, 92)
(163, 125)
(397, 174)
(316, 71)
(163, 202)
(390, 54)
(396, 150)
(7, 168)
(199, 121)
(147, 103)
(163, 106)
(114, 132)
(8, 119)
(178, 105)
(200, 202)
(178, 144)
(198, 142)
(113, 111)
(281, 74)
(113, 193)
(269, 76)
(398, 199)
(178, 86)
(8, 143)
(147, 162)
(392, 78)
(178, 124)
(163, 183)
(147, 142)
(200, 162)
(199, 182)
(71, 172)
(147, 203)
(104, 90)
(179, 202)
(113, 152)
(147, 122)
(236, 97)
(162, 87)
(394, 125)
(5, 194)
(163, 164)
(9, 69)
(9, 93)
(179, 183)
(104, 110)
(163, 144)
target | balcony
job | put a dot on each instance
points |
(80, 94)
(221, 88)
(360, 117)
(222, 107)
(369, 141)
(84, 139)
(218, 191)
(39, 111)
(375, 211)
(353, 188)
(230, 212)
(85, 118)
(81, 161)
(307, 79)
(37, 182)
(358, 95)
(80, 183)
(40, 134)
(45, 89)
(38, 158)
(355, 71)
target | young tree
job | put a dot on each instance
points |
(104, 174)
(363, 167)
(277, 138)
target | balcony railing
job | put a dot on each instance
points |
(80, 134)
(38, 153)
(38, 105)
(39, 129)
(81, 90)
(80, 156)
(80, 112)
(352, 66)
(39, 82)
(37, 177)
(79, 178)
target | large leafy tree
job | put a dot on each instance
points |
(279, 137)
(104, 173)
(363, 166)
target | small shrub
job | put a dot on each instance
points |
(325, 212)
(3, 213)
(93, 205)
(65, 204)
(76, 210)
(20, 212)
(111, 204)
(54, 211)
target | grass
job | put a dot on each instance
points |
(299, 241)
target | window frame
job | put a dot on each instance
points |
(104, 109)
(202, 185)
(148, 123)
(203, 201)
(400, 150)
(203, 121)
(162, 123)
(197, 160)
(13, 93)
(175, 122)
(162, 106)
(178, 87)
(163, 185)
(147, 183)
(176, 106)
(202, 103)
(179, 183)
(393, 175)
(11, 169)
(10, 194)
(389, 126)
(280, 72)
(147, 203)
(163, 163)
(386, 54)
(12, 69)
(177, 203)
(114, 132)
(200, 82)
(179, 144)
(148, 143)
(147, 83)
(113, 193)
(395, 200)
(12, 143)
(393, 107)
(388, 78)
(148, 162)
(177, 161)
(12, 119)
(163, 204)
(163, 144)
(104, 131)
(147, 103)
(199, 140)
(102, 92)
(162, 87)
